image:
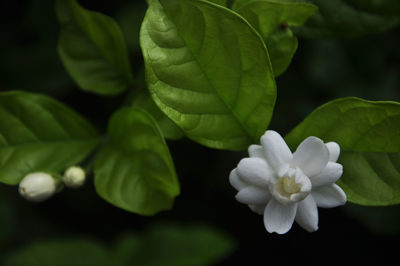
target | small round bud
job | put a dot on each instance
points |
(74, 177)
(37, 187)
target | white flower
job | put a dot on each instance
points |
(37, 187)
(285, 187)
(74, 177)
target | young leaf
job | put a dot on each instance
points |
(38, 133)
(65, 252)
(92, 49)
(211, 74)
(175, 245)
(349, 19)
(272, 20)
(134, 170)
(369, 138)
(169, 129)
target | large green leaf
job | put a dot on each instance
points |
(63, 252)
(92, 49)
(211, 74)
(272, 20)
(38, 133)
(134, 170)
(169, 129)
(219, 2)
(369, 136)
(349, 18)
(174, 245)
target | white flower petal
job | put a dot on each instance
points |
(329, 196)
(255, 171)
(334, 151)
(259, 209)
(307, 214)
(256, 151)
(277, 153)
(278, 217)
(311, 156)
(329, 175)
(235, 180)
(253, 196)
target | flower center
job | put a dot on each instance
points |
(288, 185)
(292, 186)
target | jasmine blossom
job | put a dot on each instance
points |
(286, 187)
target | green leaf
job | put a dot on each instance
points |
(63, 252)
(348, 19)
(175, 245)
(92, 49)
(38, 133)
(282, 45)
(219, 2)
(161, 245)
(379, 220)
(211, 74)
(384, 7)
(134, 170)
(169, 129)
(272, 20)
(369, 136)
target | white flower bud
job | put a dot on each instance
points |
(37, 187)
(74, 177)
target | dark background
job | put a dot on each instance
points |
(367, 67)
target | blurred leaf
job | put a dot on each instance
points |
(217, 84)
(8, 224)
(271, 19)
(38, 133)
(169, 129)
(380, 220)
(176, 245)
(127, 248)
(130, 17)
(93, 49)
(369, 136)
(384, 7)
(134, 170)
(161, 245)
(63, 252)
(349, 19)
(282, 46)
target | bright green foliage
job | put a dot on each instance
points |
(169, 129)
(369, 136)
(211, 74)
(63, 252)
(38, 133)
(92, 49)
(174, 245)
(272, 20)
(134, 170)
(350, 18)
